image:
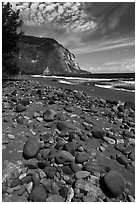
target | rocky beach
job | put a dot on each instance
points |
(67, 143)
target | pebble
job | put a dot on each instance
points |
(122, 159)
(109, 140)
(49, 115)
(81, 157)
(63, 156)
(21, 191)
(31, 148)
(20, 108)
(82, 174)
(97, 132)
(11, 137)
(38, 194)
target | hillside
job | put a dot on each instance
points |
(46, 56)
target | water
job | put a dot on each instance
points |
(108, 81)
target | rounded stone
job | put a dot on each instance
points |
(25, 101)
(114, 183)
(63, 156)
(49, 115)
(20, 108)
(98, 133)
(31, 148)
(82, 174)
(80, 158)
(38, 194)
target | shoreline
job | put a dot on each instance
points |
(94, 91)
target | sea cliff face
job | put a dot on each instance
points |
(46, 56)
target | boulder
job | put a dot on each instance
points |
(63, 156)
(38, 194)
(114, 183)
(49, 115)
(31, 148)
(98, 132)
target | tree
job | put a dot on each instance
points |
(11, 31)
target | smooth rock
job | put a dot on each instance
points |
(114, 183)
(38, 194)
(20, 108)
(55, 198)
(75, 168)
(70, 147)
(31, 148)
(25, 101)
(63, 191)
(67, 170)
(81, 157)
(82, 174)
(63, 156)
(122, 159)
(50, 171)
(49, 115)
(109, 140)
(97, 132)
(89, 198)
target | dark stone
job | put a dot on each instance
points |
(114, 183)
(25, 101)
(63, 191)
(70, 147)
(31, 148)
(98, 132)
(122, 159)
(72, 136)
(35, 178)
(81, 157)
(121, 108)
(60, 144)
(128, 150)
(20, 120)
(15, 182)
(46, 137)
(75, 168)
(67, 170)
(50, 171)
(14, 99)
(62, 126)
(45, 153)
(63, 156)
(49, 115)
(38, 194)
(129, 104)
(31, 163)
(129, 134)
(42, 164)
(27, 179)
(120, 147)
(20, 108)
(132, 155)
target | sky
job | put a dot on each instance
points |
(101, 35)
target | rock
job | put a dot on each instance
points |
(13, 99)
(21, 191)
(11, 137)
(15, 182)
(31, 163)
(46, 183)
(20, 120)
(130, 198)
(132, 155)
(27, 179)
(20, 108)
(70, 194)
(31, 148)
(129, 134)
(128, 150)
(120, 147)
(25, 101)
(45, 153)
(109, 140)
(89, 198)
(81, 157)
(70, 147)
(67, 170)
(97, 132)
(46, 137)
(63, 156)
(49, 115)
(50, 171)
(87, 186)
(82, 174)
(65, 126)
(55, 198)
(38, 194)
(75, 168)
(60, 144)
(35, 178)
(121, 108)
(63, 191)
(122, 159)
(115, 183)
(69, 109)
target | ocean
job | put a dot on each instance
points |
(123, 82)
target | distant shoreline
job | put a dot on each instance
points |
(117, 95)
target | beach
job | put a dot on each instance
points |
(67, 143)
